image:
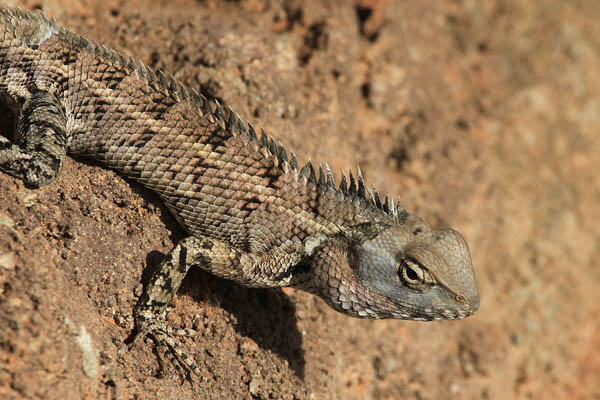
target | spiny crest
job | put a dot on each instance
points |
(357, 188)
(351, 187)
(330, 177)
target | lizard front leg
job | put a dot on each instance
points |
(39, 149)
(150, 315)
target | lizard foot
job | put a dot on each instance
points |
(156, 328)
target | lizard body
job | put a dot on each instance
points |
(252, 214)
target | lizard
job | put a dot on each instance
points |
(252, 213)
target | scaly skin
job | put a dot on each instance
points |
(253, 215)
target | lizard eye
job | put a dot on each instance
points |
(412, 273)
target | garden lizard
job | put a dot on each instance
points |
(253, 215)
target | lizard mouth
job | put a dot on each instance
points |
(430, 314)
(466, 309)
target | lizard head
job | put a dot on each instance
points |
(405, 270)
(413, 271)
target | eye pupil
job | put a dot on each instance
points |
(412, 274)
